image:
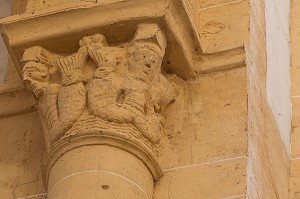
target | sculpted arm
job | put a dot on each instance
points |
(72, 94)
(163, 92)
(60, 103)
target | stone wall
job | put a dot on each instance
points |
(207, 158)
(203, 156)
(295, 93)
(222, 24)
(268, 162)
(5, 10)
(278, 66)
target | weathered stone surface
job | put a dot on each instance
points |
(211, 3)
(193, 9)
(92, 169)
(295, 112)
(212, 180)
(294, 179)
(101, 95)
(295, 92)
(230, 59)
(15, 102)
(295, 142)
(213, 116)
(220, 124)
(182, 36)
(205, 124)
(122, 95)
(21, 153)
(268, 162)
(224, 27)
(12, 81)
(295, 80)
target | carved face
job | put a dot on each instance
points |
(145, 62)
(93, 42)
(36, 77)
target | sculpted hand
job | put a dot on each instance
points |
(71, 67)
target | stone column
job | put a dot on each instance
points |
(101, 108)
(99, 171)
(102, 102)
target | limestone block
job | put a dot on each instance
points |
(35, 5)
(21, 153)
(268, 162)
(11, 79)
(90, 172)
(295, 92)
(295, 112)
(38, 196)
(220, 126)
(295, 142)
(210, 3)
(19, 6)
(225, 27)
(221, 61)
(295, 79)
(193, 7)
(213, 123)
(41, 28)
(219, 180)
(16, 102)
(295, 48)
(211, 127)
(294, 179)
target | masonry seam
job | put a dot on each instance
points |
(237, 196)
(204, 164)
(33, 196)
(220, 5)
(100, 171)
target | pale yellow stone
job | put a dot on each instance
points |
(100, 171)
(295, 48)
(224, 27)
(218, 180)
(295, 112)
(12, 81)
(295, 92)
(295, 33)
(220, 125)
(214, 124)
(268, 162)
(208, 115)
(295, 142)
(16, 102)
(193, 7)
(294, 179)
(21, 152)
(231, 59)
(295, 79)
(210, 3)
(19, 6)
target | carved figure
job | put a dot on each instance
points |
(147, 91)
(127, 92)
(106, 87)
(60, 105)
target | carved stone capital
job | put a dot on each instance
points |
(101, 74)
(102, 94)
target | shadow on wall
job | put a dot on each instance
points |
(5, 10)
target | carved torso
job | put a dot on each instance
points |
(124, 98)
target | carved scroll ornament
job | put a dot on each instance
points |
(118, 91)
